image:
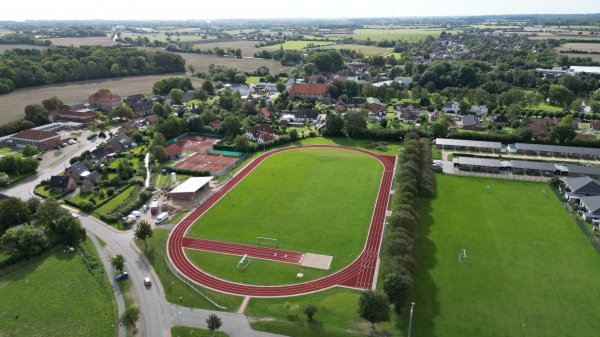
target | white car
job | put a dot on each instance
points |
(147, 281)
(75, 215)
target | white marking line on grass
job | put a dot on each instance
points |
(322, 242)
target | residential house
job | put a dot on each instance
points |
(129, 125)
(479, 109)
(355, 102)
(264, 113)
(42, 140)
(87, 187)
(319, 78)
(174, 151)
(306, 115)
(434, 116)
(136, 98)
(580, 186)
(105, 101)
(590, 208)
(73, 106)
(152, 119)
(340, 106)
(260, 133)
(261, 87)
(141, 108)
(499, 120)
(405, 117)
(243, 89)
(373, 104)
(60, 184)
(96, 155)
(347, 75)
(77, 171)
(310, 91)
(451, 107)
(118, 143)
(94, 176)
(406, 81)
(189, 95)
(470, 122)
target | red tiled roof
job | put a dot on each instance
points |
(265, 112)
(36, 135)
(308, 89)
(152, 118)
(173, 149)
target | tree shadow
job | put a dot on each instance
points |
(315, 325)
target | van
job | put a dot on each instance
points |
(162, 217)
(137, 214)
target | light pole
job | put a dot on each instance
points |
(410, 320)
(19, 218)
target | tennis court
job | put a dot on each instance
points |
(200, 160)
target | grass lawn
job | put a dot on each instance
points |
(530, 271)
(178, 217)
(41, 190)
(337, 315)
(56, 296)
(86, 197)
(163, 180)
(180, 331)
(303, 199)
(135, 161)
(176, 291)
(5, 150)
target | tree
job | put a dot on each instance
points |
(24, 242)
(160, 154)
(176, 96)
(191, 69)
(13, 211)
(130, 318)
(202, 95)
(561, 95)
(208, 87)
(310, 310)
(355, 123)
(102, 135)
(334, 125)
(67, 230)
(143, 230)
(397, 286)
(374, 307)
(118, 262)
(291, 308)
(29, 151)
(564, 132)
(230, 126)
(464, 107)
(159, 139)
(33, 110)
(33, 203)
(294, 134)
(242, 143)
(48, 212)
(125, 169)
(214, 322)
(52, 103)
(280, 87)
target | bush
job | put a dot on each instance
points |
(86, 206)
(110, 191)
(92, 136)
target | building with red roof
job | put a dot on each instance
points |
(310, 91)
(106, 101)
(43, 140)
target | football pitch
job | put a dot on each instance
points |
(312, 200)
(529, 271)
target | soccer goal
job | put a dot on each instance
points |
(244, 262)
(462, 255)
(265, 241)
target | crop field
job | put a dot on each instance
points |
(403, 34)
(529, 271)
(162, 37)
(83, 41)
(248, 47)
(589, 47)
(366, 50)
(300, 44)
(483, 26)
(302, 198)
(5, 47)
(202, 62)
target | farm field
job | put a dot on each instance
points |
(57, 296)
(529, 270)
(366, 50)
(202, 62)
(594, 57)
(83, 41)
(5, 47)
(303, 212)
(162, 37)
(248, 47)
(589, 47)
(300, 44)
(403, 34)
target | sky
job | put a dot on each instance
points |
(20, 10)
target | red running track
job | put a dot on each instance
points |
(257, 252)
(359, 274)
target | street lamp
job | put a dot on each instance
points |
(410, 320)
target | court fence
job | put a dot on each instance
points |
(230, 167)
(203, 134)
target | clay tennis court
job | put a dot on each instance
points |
(201, 160)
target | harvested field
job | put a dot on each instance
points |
(5, 47)
(367, 50)
(201, 62)
(247, 47)
(83, 41)
(589, 47)
(594, 57)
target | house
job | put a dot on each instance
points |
(434, 116)
(141, 108)
(42, 140)
(136, 98)
(60, 184)
(260, 87)
(74, 106)
(319, 78)
(479, 109)
(310, 91)
(152, 119)
(373, 104)
(77, 171)
(406, 117)
(174, 151)
(450, 107)
(86, 187)
(260, 133)
(264, 113)
(499, 120)
(413, 108)
(590, 208)
(243, 89)
(96, 155)
(355, 102)
(130, 125)
(94, 176)
(340, 106)
(470, 122)
(406, 81)
(105, 101)
(189, 95)
(83, 116)
(580, 186)
(118, 143)
(347, 75)
(306, 115)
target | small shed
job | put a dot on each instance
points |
(190, 189)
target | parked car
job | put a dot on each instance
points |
(121, 276)
(40, 158)
(75, 215)
(71, 142)
(57, 147)
(147, 282)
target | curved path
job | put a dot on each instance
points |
(359, 274)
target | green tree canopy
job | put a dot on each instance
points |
(374, 307)
(143, 231)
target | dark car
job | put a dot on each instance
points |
(121, 276)
(57, 147)
(40, 158)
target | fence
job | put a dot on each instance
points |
(488, 175)
(173, 140)
(584, 227)
(184, 279)
(230, 167)
(225, 153)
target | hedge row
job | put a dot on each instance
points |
(136, 199)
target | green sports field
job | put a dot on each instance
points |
(529, 270)
(312, 200)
